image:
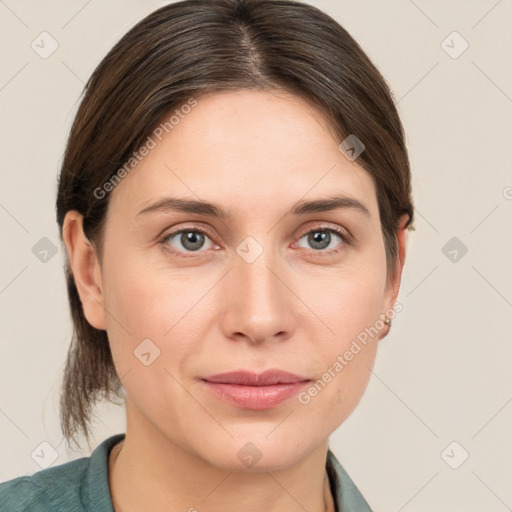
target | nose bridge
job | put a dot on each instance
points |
(255, 269)
(260, 306)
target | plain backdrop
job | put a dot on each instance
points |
(441, 390)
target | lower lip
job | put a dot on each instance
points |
(255, 397)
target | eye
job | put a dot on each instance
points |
(187, 240)
(321, 238)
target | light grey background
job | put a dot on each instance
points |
(442, 375)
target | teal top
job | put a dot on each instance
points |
(81, 485)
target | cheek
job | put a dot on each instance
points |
(147, 350)
(155, 316)
(147, 300)
(349, 302)
(137, 311)
(351, 309)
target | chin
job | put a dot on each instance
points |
(257, 454)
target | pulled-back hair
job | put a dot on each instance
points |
(189, 48)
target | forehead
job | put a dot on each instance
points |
(245, 149)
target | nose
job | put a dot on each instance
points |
(258, 304)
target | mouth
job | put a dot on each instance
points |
(248, 390)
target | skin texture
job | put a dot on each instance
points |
(295, 307)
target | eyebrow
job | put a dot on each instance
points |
(214, 210)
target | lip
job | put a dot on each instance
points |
(248, 378)
(249, 390)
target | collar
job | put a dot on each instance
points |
(346, 496)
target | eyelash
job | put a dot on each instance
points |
(345, 237)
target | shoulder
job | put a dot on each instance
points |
(45, 490)
(66, 486)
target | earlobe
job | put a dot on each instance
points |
(85, 268)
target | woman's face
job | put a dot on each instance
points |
(262, 288)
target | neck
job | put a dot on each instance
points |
(148, 471)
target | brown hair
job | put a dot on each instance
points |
(192, 47)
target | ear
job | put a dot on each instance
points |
(393, 284)
(85, 268)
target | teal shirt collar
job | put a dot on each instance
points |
(347, 497)
(82, 485)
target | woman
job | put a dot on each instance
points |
(233, 200)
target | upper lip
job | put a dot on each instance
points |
(247, 378)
